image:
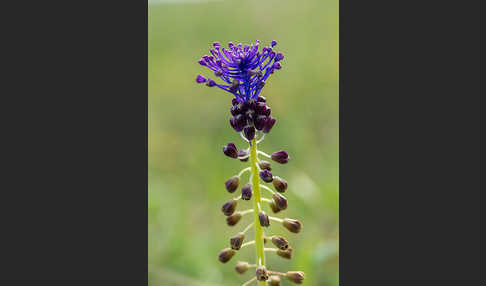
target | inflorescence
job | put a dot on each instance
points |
(244, 71)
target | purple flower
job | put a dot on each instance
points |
(243, 68)
(200, 79)
(266, 176)
(230, 150)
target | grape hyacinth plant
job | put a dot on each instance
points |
(244, 71)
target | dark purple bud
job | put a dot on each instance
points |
(210, 83)
(232, 184)
(202, 62)
(260, 122)
(234, 110)
(280, 184)
(292, 225)
(266, 176)
(272, 55)
(261, 84)
(243, 154)
(295, 276)
(237, 240)
(229, 207)
(238, 122)
(261, 99)
(267, 111)
(234, 101)
(260, 107)
(281, 157)
(265, 165)
(246, 192)
(261, 273)
(250, 115)
(241, 267)
(287, 254)
(280, 242)
(280, 201)
(226, 254)
(263, 218)
(277, 65)
(200, 79)
(249, 132)
(233, 219)
(216, 45)
(279, 57)
(230, 150)
(269, 124)
(274, 43)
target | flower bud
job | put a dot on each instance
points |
(237, 240)
(287, 254)
(264, 220)
(274, 207)
(238, 122)
(261, 99)
(241, 267)
(243, 153)
(261, 273)
(280, 242)
(280, 201)
(233, 219)
(260, 122)
(274, 43)
(264, 165)
(269, 124)
(292, 225)
(230, 150)
(281, 157)
(246, 192)
(279, 57)
(226, 254)
(295, 276)
(266, 176)
(232, 184)
(234, 101)
(229, 207)
(200, 79)
(249, 132)
(280, 184)
(274, 280)
(210, 83)
(234, 110)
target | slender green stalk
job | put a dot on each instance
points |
(256, 207)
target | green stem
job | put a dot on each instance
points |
(256, 207)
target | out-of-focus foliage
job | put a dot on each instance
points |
(188, 125)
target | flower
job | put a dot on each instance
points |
(243, 68)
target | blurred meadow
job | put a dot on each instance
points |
(188, 125)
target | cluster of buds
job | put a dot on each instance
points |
(245, 71)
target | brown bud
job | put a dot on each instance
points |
(295, 276)
(237, 240)
(233, 219)
(229, 207)
(243, 154)
(261, 273)
(292, 225)
(232, 184)
(280, 201)
(279, 184)
(280, 242)
(241, 267)
(287, 254)
(274, 207)
(264, 220)
(264, 165)
(226, 254)
(274, 280)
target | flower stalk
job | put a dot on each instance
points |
(260, 253)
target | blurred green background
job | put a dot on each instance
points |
(188, 125)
